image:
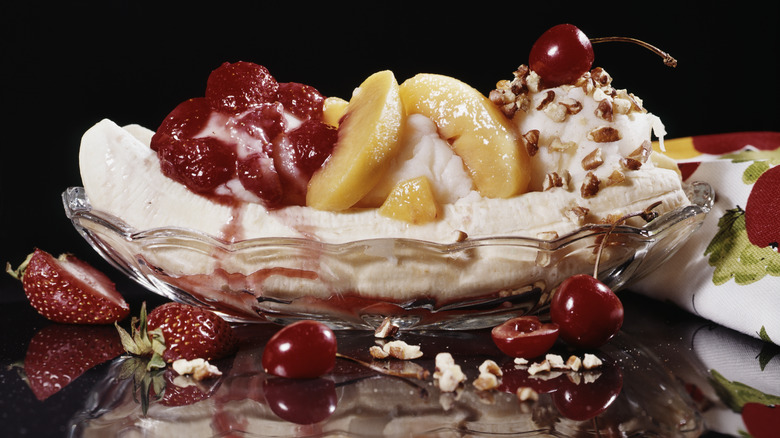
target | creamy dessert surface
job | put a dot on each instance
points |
(120, 172)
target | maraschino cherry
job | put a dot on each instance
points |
(564, 53)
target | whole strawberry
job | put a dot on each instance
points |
(191, 332)
(68, 290)
(175, 331)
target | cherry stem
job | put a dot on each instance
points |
(668, 60)
(647, 214)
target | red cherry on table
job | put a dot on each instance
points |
(587, 312)
(525, 336)
(561, 55)
(302, 350)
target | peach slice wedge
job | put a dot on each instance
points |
(368, 138)
(475, 128)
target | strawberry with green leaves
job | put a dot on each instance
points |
(68, 290)
(175, 331)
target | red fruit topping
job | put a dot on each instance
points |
(302, 100)
(301, 402)
(302, 350)
(258, 175)
(525, 336)
(561, 55)
(187, 120)
(761, 210)
(587, 312)
(58, 354)
(312, 143)
(202, 164)
(262, 122)
(191, 332)
(268, 136)
(235, 87)
(69, 290)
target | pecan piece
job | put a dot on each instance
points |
(531, 141)
(592, 160)
(590, 186)
(604, 134)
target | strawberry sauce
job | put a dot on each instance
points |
(250, 138)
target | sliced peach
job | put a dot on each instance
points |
(411, 201)
(333, 109)
(368, 139)
(475, 128)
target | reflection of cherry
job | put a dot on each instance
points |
(585, 400)
(515, 378)
(761, 210)
(301, 401)
(761, 421)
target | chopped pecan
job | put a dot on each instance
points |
(590, 185)
(600, 77)
(548, 99)
(604, 134)
(386, 330)
(552, 180)
(531, 141)
(616, 177)
(556, 112)
(577, 214)
(572, 106)
(592, 160)
(630, 163)
(604, 110)
(642, 152)
(557, 145)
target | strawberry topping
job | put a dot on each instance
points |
(69, 290)
(249, 138)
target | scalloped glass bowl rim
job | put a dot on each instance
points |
(77, 206)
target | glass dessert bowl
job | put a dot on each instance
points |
(472, 283)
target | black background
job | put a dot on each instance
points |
(67, 65)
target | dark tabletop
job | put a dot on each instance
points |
(66, 66)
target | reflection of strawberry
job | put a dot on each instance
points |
(68, 290)
(761, 210)
(182, 391)
(58, 354)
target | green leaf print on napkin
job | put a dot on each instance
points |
(733, 256)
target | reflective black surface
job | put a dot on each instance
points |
(657, 381)
(66, 66)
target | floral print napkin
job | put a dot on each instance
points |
(729, 270)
